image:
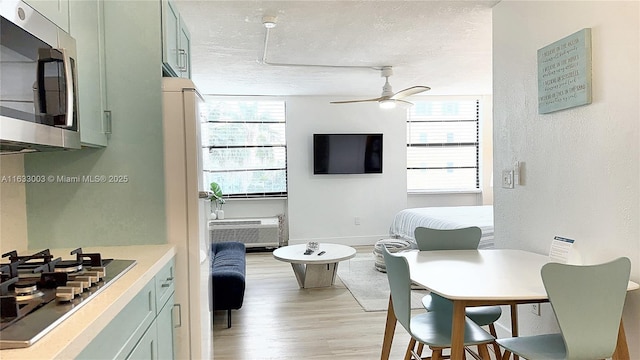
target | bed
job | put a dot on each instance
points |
(406, 221)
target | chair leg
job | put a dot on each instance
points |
(228, 318)
(496, 347)
(483, 351)
(420, 348)
(436, 354)
(506, 355)
(408, 354)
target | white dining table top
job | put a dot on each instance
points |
(490, 275)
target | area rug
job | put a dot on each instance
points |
(368, 286)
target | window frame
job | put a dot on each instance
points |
(478, 99)
(249, 195)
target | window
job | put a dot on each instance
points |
(244, 147)
(443, 146)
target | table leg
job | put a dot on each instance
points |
(300, 271)
(457, 330)
(622, 349)
(514, 323)
(514, 319)
(389, 330)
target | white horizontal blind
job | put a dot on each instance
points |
(443, 145)
(244, 147)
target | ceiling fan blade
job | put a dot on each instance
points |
(409, 91)
(355, 101)
(404, 102)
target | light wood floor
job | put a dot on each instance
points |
(278, 320)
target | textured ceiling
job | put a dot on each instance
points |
(445, 45)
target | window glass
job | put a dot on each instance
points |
(443, 145)
(244, 146)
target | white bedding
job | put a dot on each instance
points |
(406, 221)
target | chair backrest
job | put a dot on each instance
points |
(448, 239)
(400, 285)
(588, 303)
(429, 239)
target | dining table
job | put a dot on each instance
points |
(479, 278)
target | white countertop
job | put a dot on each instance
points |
(69, 338)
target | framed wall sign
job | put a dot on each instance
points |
(564, 73)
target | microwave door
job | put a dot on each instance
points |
(53, 94)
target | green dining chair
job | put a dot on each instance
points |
(467, 238)
(587, 302)
(430, 328)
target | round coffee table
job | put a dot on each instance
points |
(315, 270)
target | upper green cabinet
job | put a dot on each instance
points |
(86, 25)
(176, 42)
(55, 10)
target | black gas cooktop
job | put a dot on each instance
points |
(38, 292)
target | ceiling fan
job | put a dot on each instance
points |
(388, 99)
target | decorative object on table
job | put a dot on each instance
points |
(216, 201)
(564, 73)
(312, 246)
(561, 249)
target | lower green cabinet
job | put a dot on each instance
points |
(165, 326)
(143, 330)
(147, 347)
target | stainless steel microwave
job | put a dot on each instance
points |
(38, 92)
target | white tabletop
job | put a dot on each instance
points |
(479, 274)
(492, 275)
(333, 253)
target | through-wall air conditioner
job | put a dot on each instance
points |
(255, 232)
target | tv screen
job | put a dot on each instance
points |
(347, 153)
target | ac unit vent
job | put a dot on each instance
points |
(262, 232)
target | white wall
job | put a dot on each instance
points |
(581, 165)
(324, 207)
(317, 200)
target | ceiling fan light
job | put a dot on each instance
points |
(269, 22)
(387, 104)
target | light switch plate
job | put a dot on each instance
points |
(507, 179)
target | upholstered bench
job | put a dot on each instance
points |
(228, 267)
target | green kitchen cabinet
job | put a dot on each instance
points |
(143, 329)
(118, 339)
(165, 326)
(176, 42)
(86, 25)
(55, 10)
(147, 347)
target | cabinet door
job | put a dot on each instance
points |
(147, 347)
(121, 335)
(86, 25)
(170, 37)
(55, 10)
(165, 284)
(166, 336)
(184, 51)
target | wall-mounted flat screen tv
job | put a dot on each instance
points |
(347, 153)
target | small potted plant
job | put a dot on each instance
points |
(216, 201)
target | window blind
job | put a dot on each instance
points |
(443, 145)
(244, 147)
